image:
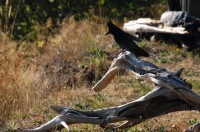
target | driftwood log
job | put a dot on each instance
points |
(171, 94)
(185, 37)
(147, 25)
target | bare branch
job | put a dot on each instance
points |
(171, 94)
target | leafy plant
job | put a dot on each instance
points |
(192, 121)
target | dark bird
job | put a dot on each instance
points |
(125, 40)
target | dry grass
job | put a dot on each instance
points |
(63, 70)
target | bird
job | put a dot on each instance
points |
(125, 40)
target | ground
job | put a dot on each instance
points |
(62, 70)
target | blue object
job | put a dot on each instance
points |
(192, 7)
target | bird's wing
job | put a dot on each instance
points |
(133, 37)
(138, 51)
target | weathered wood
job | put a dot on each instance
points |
(146, 25)
(171, 94)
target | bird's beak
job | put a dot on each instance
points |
(107, 33)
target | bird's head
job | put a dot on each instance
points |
(109, 24)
